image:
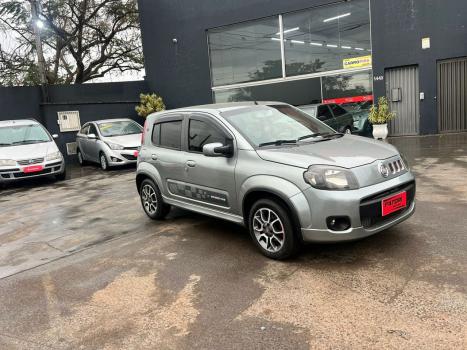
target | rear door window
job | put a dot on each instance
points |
(338, 110)
(324, 113)
(168, 134)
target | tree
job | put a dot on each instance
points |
(82, 40)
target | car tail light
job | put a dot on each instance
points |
(144, 132)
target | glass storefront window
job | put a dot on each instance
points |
(327, 38)
(347, 88)
(245, 52)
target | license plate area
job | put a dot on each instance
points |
(33, 169)
(394, 203)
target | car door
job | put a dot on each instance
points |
(167, 155)
(342, 118)
(210, 180)
(82, 141)
(325, 115)
(93, 143)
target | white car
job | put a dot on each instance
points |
(28, 150)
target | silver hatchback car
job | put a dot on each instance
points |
(286, 176)
(109, 142)
(27, 150)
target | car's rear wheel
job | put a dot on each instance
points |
(152, 201)
(272, 229)
(104, 162)
(81, 160)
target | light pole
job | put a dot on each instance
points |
(38, 25)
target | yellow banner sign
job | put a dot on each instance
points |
(357, 62)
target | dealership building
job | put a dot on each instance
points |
(312, 51)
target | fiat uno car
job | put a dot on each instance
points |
(285, 175)
(109, 142)
(28, 150)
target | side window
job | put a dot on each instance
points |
(201, 133)
(84, 130)
(338, 110)
(324, 113)
(168, 134)
(92, 129)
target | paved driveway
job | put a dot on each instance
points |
(82, 267)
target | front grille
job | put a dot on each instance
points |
(42, 172)
(396, 166)
(370, 207)
(129, 156)
(30, 161)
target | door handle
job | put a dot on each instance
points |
(191, 163)
(154, 156)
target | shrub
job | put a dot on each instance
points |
(380, 114)
(149, 103)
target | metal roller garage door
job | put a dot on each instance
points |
(452, 95)
(402, 91)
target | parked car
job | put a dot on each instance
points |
(360, 115)
(28, 150)
(331, 114)
(110, 142)
(286, 176)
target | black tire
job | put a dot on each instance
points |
(81, 160)
(104, 163)
(160, 209)
(290, 244)
(61, 176)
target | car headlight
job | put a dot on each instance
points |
(332, 178)
(7, 162)
(114, 146)
(54, 156)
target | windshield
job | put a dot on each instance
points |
(22, 135)
(275, 125)
(119, 128)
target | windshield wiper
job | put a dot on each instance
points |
(313, 135)
(28, 141)
(277, 143)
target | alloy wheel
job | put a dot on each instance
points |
(103, 162)
(348, 131)
(148, 195)
(268, 229)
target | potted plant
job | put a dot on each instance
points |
(149, 103)
(379, 116)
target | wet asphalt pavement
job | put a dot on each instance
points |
(82, 267)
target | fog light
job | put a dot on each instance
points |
(113, 159)
(338, 223)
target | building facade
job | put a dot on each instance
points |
(303, 52)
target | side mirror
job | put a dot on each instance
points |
(55, 136)
(92, 136)
(217, 149)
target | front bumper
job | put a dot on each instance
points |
(122, 157)
(361, 206)
(50, 168)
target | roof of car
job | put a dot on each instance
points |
(222, 107)
(5, 123)
(110, 120)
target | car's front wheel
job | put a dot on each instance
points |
(104, 162)
(272, 229)
(152, 201)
